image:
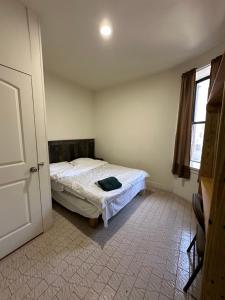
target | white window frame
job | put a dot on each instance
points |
(194, 165)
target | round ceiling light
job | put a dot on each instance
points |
(105, 30)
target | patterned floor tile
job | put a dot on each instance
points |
(141, 255)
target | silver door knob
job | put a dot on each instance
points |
(33, 169)
(41, 164)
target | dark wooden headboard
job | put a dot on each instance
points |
(67, 150)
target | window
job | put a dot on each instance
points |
(199, 115)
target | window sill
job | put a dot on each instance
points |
(194, 170)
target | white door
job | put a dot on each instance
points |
(20, 206)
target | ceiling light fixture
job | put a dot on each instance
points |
(105, 30)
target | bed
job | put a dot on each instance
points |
(74, 173)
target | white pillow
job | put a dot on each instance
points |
(57, 167)
(87, 162)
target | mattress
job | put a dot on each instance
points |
(88, 210)
(75, 204)
(59, 187)
(79, 180)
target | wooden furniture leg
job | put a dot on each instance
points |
(93, 222)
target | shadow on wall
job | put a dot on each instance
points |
(101, 234)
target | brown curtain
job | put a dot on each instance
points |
(181, 160)
(216, 82)
(215, 64)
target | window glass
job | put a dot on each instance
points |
(203, 72)
(201, 97)
(197, 142)
(199, 115)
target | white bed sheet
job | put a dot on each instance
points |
(85, 184)
(82, 184)
(122, 200)
(88, 210)
(75, 204)
(68, 169)
(59, 187)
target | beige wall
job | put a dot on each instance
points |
(69, 109)
(136, 125)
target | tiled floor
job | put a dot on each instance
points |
(142, 255)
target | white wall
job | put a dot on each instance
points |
(69, 109)
(136, 125)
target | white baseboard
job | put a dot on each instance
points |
(152, 185)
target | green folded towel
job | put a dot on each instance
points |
(109, 184)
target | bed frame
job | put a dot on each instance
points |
(67, 150)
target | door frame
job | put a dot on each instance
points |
(40, 117)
